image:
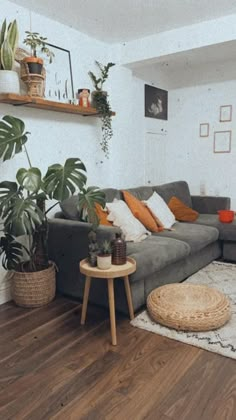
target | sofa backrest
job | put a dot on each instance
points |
(142, 193)
(111, 193)
(178, 189)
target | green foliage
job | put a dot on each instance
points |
(105, 248)
(9, 36)
(22, 203)
(104, 71)
(104, 109)
(38, 43)
(86, 205)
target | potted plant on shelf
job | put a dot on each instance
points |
(9, 79)
(104, 256)
(101, 103)
(36, 42)
(24, 215)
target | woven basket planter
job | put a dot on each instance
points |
(31, 290)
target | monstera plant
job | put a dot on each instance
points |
(23, 202)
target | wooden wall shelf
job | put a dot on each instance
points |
(40, 103)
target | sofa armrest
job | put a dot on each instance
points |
(210, 204)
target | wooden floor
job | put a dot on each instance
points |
(53, 368)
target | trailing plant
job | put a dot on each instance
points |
(9, 36)
(100, 101)
(23, 202)
(38, 43)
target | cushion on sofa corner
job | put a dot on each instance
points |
(182, 212)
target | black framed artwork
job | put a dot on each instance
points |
(59, 78)
(156, 102)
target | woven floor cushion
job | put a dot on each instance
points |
(189, 307)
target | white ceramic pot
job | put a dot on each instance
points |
(9, 82)
(104, 262)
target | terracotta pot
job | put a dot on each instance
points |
(35, 64)
(104, 261)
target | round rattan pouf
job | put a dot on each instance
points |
(189, 307)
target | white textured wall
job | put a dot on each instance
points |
(56, 136)
(191, 157)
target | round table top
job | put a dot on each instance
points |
(114, 271)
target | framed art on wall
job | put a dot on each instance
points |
(222, 141)
(156, 102)
(204, 130)
(59, 79)
(225, 113)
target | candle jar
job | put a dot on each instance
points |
(83, 96)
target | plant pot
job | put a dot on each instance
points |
(96, 94)
(9, 82)
(226, 216)
(104, 262)
(31, 290)
(35, 64)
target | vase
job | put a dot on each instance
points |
(9, 82)
(118, 250)
(104, 261)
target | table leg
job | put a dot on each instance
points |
(129, 297)
(112, 311)
(85, 299)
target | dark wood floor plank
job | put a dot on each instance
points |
(54, 368)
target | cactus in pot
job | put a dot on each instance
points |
(9, 35)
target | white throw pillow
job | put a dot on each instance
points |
(121, 216)
(160, 210)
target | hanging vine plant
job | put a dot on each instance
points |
(101, 103)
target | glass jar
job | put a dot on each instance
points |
(118, 250)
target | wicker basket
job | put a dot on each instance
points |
(31, 290)
(35, 82)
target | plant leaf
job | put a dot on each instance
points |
(30, 179)
(12, 252)
(12, 136)
(8, 192)
(87, 200)
(23, 217)
(61, 181)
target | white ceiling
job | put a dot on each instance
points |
(125, 20)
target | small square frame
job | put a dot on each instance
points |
(226, 113)
(204, 129)
(222, 141)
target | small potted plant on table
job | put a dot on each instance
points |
(104, 255)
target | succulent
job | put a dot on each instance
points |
(8, 43)
(105, 248)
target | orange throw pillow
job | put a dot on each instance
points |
(141, 212)
(102, 215)
(182, 212)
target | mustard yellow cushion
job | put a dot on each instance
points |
(182, 212)
(102, 215)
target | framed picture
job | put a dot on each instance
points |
(225, 113)
(59, 79)
(156, 103)
(222, 141)
(204, 130)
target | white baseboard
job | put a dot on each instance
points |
(5, 295)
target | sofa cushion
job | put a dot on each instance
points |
(178, 189)
(227, 230)
(140, 211)
(69, 207)
(163, 215)
(155, 253)
(182, 212)
(197, 236)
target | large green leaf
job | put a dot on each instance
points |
(8, 192)
(30, 179)
(12, 252)
(12, 136)
(61, 181)
(23, 217)
(87, 200)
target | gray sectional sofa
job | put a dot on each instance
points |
(165, 257)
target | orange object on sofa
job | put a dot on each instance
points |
(182, 212)
(102, 215)
(141, 212)
(226, 216)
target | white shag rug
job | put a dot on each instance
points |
(222, 276)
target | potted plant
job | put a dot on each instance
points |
(100, 101)
(24, 215)
(104, 255)
(37, 43)
(9, 79)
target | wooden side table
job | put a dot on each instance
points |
(115, 271)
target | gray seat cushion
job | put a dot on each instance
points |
(178, 189)
(197, 236)
(227, 230)
(154, 253)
